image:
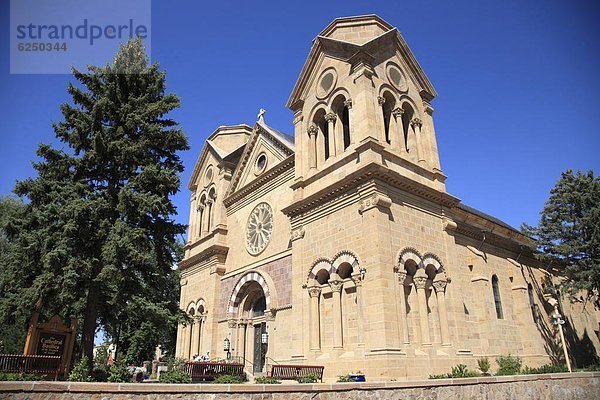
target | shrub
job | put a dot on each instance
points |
(310, 378)
(230, 379)
(344, 378)
(99, 375)
(545, 369)
(484, 365)
(176, 372)
(118, 372)
(595, 367)
(461, 371)
(508, 365)
(266, 380)
(79, 373)
(14, 376)
(440, 376)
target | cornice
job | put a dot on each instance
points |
(212, 250)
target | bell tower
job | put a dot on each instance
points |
(362, 83)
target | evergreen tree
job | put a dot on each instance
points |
(569, 231)
(99, 235)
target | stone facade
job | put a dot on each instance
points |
(340, 246)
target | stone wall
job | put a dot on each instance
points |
(582, 385)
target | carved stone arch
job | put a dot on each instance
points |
(340, 91)
(191, 306)
(387, 88)
(344, 256)
(265, 282)
(319, 264)
(212, 189)
(409, 253)
(432, 259)
(202, 197)
(201, 303)
(321, 105)
(405, 99)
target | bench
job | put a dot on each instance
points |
(280, 371)
(208, 371)
(31, 364)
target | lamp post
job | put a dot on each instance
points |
(559, 321)
(227, 348)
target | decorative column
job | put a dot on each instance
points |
(439, 284)
(188, 340)
(358, 279)
(195, 332)
(399, 143)
(330, 118)
(403, 321)
(270, 318)
(201, 323)
(416, 123)
(420, 280)
(233, 332)
(315, 338)
(335, 283)
(312, 151)
(241, 340)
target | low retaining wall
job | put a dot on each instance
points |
(582, 385)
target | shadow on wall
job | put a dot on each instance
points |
(581, 350)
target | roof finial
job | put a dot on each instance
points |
(261, 114)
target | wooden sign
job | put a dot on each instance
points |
(52, 338)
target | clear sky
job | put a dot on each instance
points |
(518, 84)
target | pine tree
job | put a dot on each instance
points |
(568, 234)
(99, 236)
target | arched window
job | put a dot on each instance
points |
(345, 270)
(497, 301)
(322, 145)
(342, 123)
(259, 307)
(407, 116)
(532, 303)
(202, 212)
(389, 103)
(322, 276)
(346, 126)
(211, 200)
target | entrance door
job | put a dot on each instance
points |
(259, 349)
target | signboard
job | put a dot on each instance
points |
(50, 344)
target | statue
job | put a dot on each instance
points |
(261, 114)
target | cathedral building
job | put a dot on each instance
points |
(338, 244)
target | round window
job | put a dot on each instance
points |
(327, 82)
(259, 228)
(208, 176)
(396, 77)
(261, 163)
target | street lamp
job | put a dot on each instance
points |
(559, 321)
(227, 347)
(264, 338)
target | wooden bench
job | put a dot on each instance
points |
(281, 371)
(208, 371)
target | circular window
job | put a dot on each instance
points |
(208, 176)
(396, 77)
(261, 163)
(259, 228)
(326, 83)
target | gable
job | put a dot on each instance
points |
(209, 156)
(266, 144)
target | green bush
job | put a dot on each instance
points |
(13, 376)
(266, 380)
(440, 376)
(176, 372)
(99, 375)
(595, 367)
(508, 365)
(484, 365)
(229, 379)
(79, 373)
(310, 378)
(545, 369)
(118, 372)
(344, 378)
(461, 371)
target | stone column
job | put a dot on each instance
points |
(201, 328)
(241, 340)
(416, 124)
(315, 338)
(270, 317)
(330, 118)
(403, 320)
(312, 151)
(420, 280)
(398, 143)
(358, 279)
(195, 337)
(233, 335)
(180, 338)
(439, 284)
(188, 340)
(335, 283)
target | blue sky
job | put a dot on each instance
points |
(518, 85)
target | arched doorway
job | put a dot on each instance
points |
(249, 305)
